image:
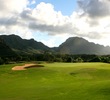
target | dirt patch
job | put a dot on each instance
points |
(24, 67)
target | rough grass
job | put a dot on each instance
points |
(56, 81)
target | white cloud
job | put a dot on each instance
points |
(92, 20)
(12, 6)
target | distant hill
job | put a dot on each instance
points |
(23, 46)
(73, 45)
(5, 50)
(76, 45)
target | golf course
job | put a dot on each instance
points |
(56, 81)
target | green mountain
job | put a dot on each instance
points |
(73, 45)
(76, 45)
(5, 50)
(23, 46)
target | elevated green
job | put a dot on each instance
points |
(56, 81)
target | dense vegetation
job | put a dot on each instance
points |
(49, 57)
(5, 50)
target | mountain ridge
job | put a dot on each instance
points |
(24, 46)
(73, 45)
(78, 45)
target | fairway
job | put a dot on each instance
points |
(56, 81)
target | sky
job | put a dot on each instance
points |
(53, 21)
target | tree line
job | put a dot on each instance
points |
(52, 57)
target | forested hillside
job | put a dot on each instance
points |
(23, 46)
(76, 45)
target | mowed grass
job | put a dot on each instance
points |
(56, 81)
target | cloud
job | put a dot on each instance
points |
(45, 19)
(95, 8)
(91, 20)
(12, 6)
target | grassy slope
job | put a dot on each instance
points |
(56, 81)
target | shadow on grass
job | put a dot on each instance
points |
(34, 66)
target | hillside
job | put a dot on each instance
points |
(76, 45)
(73, 45)
(23, 46)
(5, 50)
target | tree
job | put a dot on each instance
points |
(96, 59)
(58, 59)
(48, 56)
(1, 61)
(78, 59)
(69, 59)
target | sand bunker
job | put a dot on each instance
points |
(24, 67)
